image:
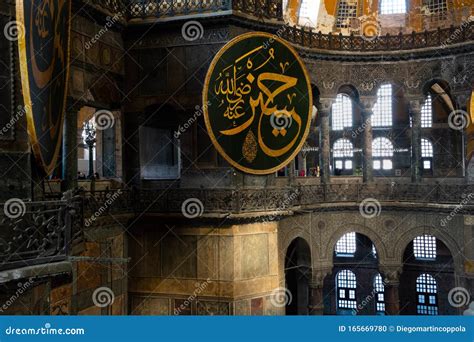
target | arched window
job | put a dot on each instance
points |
(424, 247)
(427, 154)
(382, 111)
(346, 10)
(427, 112)
(382, 151)
(436, 9)
(427, 299)
(393, 6)
(342, 155)
(346, 245)
(341, 112)
(346, 289)
(308, 13)
(379, 289)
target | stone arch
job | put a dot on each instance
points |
(450, 242)
(292, 234)
(372, 235)
(350, 90)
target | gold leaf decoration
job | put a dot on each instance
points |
(249, 149)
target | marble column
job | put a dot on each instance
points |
(415, 114)
(324, 111)
(366, 105)
(316, 294)
(391, 280)
(69, 156)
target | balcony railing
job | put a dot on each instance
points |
(272, 9)
(38, 232)
(239, 201)
(416, 40)
(170, 8)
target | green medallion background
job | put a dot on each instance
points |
(277, 131)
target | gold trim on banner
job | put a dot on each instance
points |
(25, 84)
(205, 101)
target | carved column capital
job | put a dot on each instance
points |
(367, 103)
(415, 105)
(324, 105)
(391, 274)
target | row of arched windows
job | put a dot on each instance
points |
(426, 290)
(342, 110)
(382, 153)
(424, 249)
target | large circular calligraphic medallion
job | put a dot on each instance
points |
(257, 103)
(43, 44)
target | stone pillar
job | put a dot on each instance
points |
(462, 116)
(316, 294)
(415, 113)
(391, 280)
(69, 157)
(366, 104)
(324, 111)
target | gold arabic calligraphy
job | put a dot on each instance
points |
(234, 84)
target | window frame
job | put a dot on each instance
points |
(347, 156)
(345, 302)
(425, 248)
(340, 21)
(383, 104)
(392, 7)
(382, 159)
(427, 155)
(347, 242)
(424, 296)
(379, 291)
(341, 114)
